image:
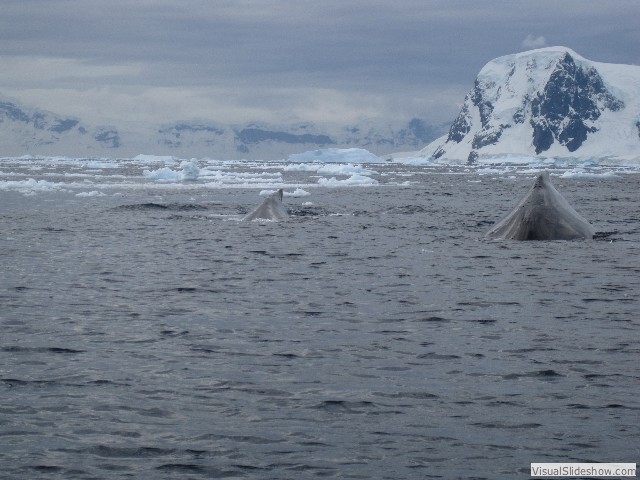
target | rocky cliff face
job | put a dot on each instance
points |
(547, 102)
(566, 109)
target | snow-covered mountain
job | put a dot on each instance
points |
(549, 102)
(26, 130)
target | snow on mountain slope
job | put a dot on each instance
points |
(28, 130)
(549, 102)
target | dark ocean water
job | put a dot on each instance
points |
(149, 334)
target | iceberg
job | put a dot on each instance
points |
(189, 172)
(30, 186)
(298, 192)
(336, 155)
(583, 174)
(93, 193)
(353, 180)
(329, 169)
(154, 158)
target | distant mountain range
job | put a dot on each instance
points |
(29, 130)
(549, 102)
(265, 141)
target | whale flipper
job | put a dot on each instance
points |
(271, 209)
(543, 214)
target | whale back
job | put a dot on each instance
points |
(543, 214)
(271, 208)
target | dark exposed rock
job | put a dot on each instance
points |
(11, 112)
(418, 132)
(63, 125)
(542, 136)
(256, 135)
(461, 126)
(172, 135)
(573, 97)
(39, 120)
(438, 153)
(485, 107)
(109, 137)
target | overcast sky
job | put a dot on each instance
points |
(157, 61)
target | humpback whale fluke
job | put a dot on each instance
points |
(271, 209)
(543, 214)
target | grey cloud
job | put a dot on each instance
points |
(263, 53)
(531, 41)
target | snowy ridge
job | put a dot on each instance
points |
(548, 102)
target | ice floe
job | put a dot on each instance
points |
(298, 175)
